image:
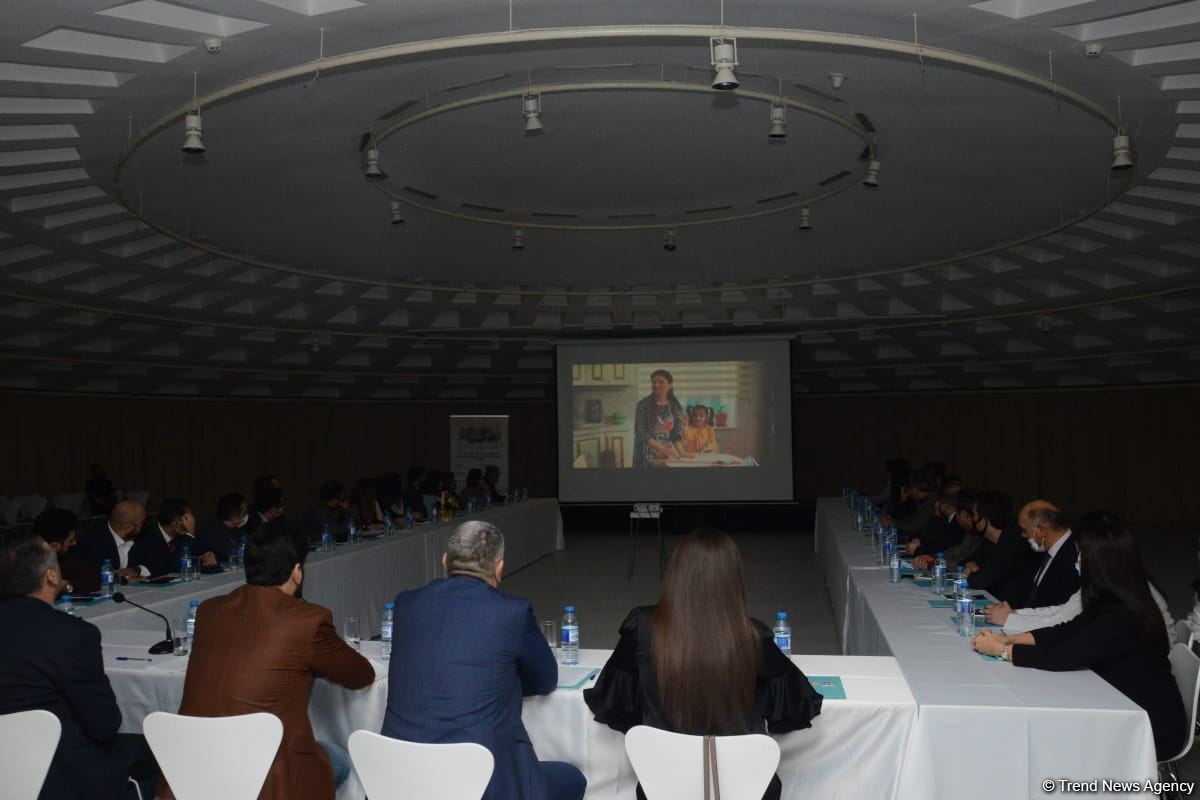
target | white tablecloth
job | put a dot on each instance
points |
(985, 729)
(854, 749)
(355, 580)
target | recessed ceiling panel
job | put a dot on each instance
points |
(68, 40)
(169, 15)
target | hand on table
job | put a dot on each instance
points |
(208, 559)
(923, 562)
(988, 643)
(970, 569)
(130, 573)
(998, 613)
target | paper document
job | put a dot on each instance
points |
(575, 677)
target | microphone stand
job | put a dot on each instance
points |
(166, 646)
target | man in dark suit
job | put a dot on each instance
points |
(943, 531)
(160, 550)
(113, 540)
(57, 527)
(329, 511)
(467, 655)
(50, 660)
(1004, 564)
(259, 648)
(268, 505)
(222, 534)
(1055, 580)
(922, 488)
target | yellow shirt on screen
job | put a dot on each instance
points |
(699, 440)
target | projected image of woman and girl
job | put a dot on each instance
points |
(716, 425)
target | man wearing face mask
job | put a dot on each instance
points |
(222, 534)
(259, 648)
(1004, 564)
(161, 550)
(1044, 528)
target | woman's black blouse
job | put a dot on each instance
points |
(626, 693)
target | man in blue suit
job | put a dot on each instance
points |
(465, 655)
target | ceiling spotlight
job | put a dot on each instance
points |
(723, 55)
(531, 109)
(1044, 324)
(1122, 151)
(838, 79)
(1093, 49)
(778, 129)
(669, 241)
(193, 142)
(518, 238)
(316, 344)
(213, 45)
(871, 179)
(805, 219)
(397, 213)
(372, 169)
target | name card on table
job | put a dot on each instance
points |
(828, 686)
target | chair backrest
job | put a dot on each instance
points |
(670, 766)
(1183, 633)
(29, 741)
(237, 753)
(72, 502)
(1185, 666)
(30, 504)
(390, 769)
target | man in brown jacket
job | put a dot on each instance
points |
(258, 649)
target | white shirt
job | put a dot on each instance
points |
(1030, 619)
(123, 548)
(1050, 554)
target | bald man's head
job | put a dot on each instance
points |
(127, 518)
(1042, 524)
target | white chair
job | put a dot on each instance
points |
(70, 502)
(30, 739)
(1184, 634)
(670, 766)
(1185, 666)
(393, 769)
(10, 511)
(31, 505)
(242, 748)
(139, 496)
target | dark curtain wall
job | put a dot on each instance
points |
(1136, 452)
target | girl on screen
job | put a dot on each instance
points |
(699, 436)
(658, 422)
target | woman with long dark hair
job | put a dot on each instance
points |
(697, 663)
(1119, 634)
(658, 422)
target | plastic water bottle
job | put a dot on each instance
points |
(860, 524)
(939, 574)
(326, 539)
(570, 637)
(185, 563)
(385, 630)
(352, 532)
(965, 606)
(65, 605)
(387, 524)
(241, 552)
(472, 506)
(783, 633)
(893, 563)
(108, 578)
(409, 522)
(193, 607)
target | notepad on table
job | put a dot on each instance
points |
(941, 603)
(828, 686)
(575, 677)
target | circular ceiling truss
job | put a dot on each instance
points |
(512, 38)
(850, 180)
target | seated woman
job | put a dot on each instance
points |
(364, 503)
(699, 437)
(697, 663)
(1120, 633)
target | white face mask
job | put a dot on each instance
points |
(1078, 568)
(1034, 546)
(243, 521)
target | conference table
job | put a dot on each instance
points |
(853, 750)
(354, 580)
(984, 728)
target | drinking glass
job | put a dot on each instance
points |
(182, 642)
(550, 632)
(350, 631)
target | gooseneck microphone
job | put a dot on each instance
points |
(166, 646)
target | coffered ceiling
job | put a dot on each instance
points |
(999, 251)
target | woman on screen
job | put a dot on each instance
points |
(699, 436)
(698, 663)
(658, 422)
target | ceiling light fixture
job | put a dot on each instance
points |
(316, 344)
(723, 56)
(777, 133)
(1122, 150)
(669, 243)
(518, 238)
(805, 218)
(531, 109)
(397, 213)
(1044, 324)
(193, 139)
(871, 179)
(371, 169)
(838, 79)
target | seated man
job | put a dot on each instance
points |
(329, 511)
(221, 535)
(923, 492)
(467, 654)
(1004, 564)
(113, 539)
(1044, 527)
(161, 550)
(50, 660)
(57, 527)
(258, 648)
(943, 532)
(268, 505)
